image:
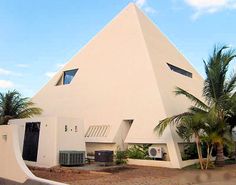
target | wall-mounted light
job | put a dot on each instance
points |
(4, 137)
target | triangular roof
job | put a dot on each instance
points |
(127, 71)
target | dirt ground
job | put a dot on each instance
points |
(139, 175)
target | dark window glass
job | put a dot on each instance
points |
(180, 71)
(31, 140)
(69, 75)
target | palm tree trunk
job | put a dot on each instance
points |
(220, 161)
(208, 155)
(209, 152)
(199, 151)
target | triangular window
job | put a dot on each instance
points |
(67, 77)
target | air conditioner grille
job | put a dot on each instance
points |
(153, 151)
(71, 158)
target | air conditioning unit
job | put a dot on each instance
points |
(155, 152)
(104, 156)
(71, 158)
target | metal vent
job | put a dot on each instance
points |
(71, 158)
(98, 131)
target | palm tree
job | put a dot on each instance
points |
(190, 126)
(13, 105)
(219, 92)
(219, 95)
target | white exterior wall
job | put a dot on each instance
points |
(12, 165)
(53, 138)
(70, 140)
(122, 134)
(47, 146)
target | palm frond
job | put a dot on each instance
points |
(170, 120)
(231, 84)
(185, 132)
(197, 102)
(216, 69)
(29, 112)
(13, 105)
(195, 110)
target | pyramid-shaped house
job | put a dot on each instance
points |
(121, 85)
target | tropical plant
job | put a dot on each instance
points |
(210, 120)
(189, 124)
(138, 151)
(219, 93)
(190, 151)
(191, 127)
(121, 157)
(13, 105)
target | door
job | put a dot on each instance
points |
(31, 140)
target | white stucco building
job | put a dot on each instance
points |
(121, 85)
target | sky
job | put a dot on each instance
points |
(37, 37)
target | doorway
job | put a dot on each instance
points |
(31, 140)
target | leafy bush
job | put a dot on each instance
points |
(211, 165)
(230, 161)
(190, 151)
(134, 153)
(138, 151)
(121, 157)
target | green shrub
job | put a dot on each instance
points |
(121, 157)
(211, 165)
(138, 151)
(230, 161)
(190, 151)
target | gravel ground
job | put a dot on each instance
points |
(138, 175)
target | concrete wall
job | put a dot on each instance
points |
(140, 162)
(73, 138)
(92, 147)
(13, 168)
(122, 134)
(53, 138)
(166, 164)
(47, 147)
